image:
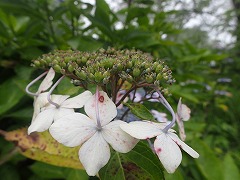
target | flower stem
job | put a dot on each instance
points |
(97, 109)
(51, 90)
(33, 82)
(9, 155)
(167, 105)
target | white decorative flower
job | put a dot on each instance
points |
(50, 113)
(160, 117)
(166, 145)
(183, 111)
(41, 99)
(183, 114)
(94, 132)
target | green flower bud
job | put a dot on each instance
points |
(149, 79)
(70, 68)
(98, 77)
(82, 75)
(159, 68)
(57, 68)
(159, 77)
(129, 64)
(48, 60)
(136, 72)
(36, 63)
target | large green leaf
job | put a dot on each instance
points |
(42, 147)
(47, 171)
(209, 165)
(139, 164)
(140, 111)
(10, 95)
(231, 170)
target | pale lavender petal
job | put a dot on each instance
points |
(117, 138)
(47, 81)
(42, 121)
(168, 152)
(77, 101)
(141, 129)
(94, 154)
(184, 146)
(73, 130)
(107, 109)
(61, 112)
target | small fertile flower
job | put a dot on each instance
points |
(166, 145)
(93, 132)
(183, 114)
(50, 112)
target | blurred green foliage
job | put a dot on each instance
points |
(29, 28)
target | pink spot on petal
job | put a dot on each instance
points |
(158, 150)
(101, 99)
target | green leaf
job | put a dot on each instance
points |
(42, 147)
(231, 170)
(77, 174)
(10, 95)
(140, 111)
(84, 43)
(209, 165)
(9, 172)
(47, 171)
(139, 164)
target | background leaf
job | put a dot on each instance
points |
(140, 111)
(138, 164)
(42, 147)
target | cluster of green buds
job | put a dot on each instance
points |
(108, 67)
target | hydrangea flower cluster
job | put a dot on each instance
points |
(117, 76)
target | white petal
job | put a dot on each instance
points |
(183, 111)
(181, 128)
(47, 81)
(184, 146)
(42, 122)
(72, 130)
(107, 109)
(161, 117)
(59, 99)
(61, 112)
(77, 101)
(141, 129)
(39, 102)
(168, 152)
(94, 154)
(117, 138)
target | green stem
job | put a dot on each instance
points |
(8, 156)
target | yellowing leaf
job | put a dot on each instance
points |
(42, 147)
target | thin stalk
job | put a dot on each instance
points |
(99, 126)
(33, 82)
(8, 156)
(167, 105)
(50, 92)
(124, 96)
(125, 113)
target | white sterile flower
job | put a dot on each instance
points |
(183, 111)
(50, 113)
(183, 114)
(94, 132)
(41, 99)
(160, 117)
(166, 145)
